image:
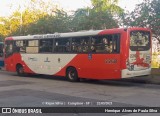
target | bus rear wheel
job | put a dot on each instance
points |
(20, 70)
(72, 74)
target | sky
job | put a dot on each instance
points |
(8, 6)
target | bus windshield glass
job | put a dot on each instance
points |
(139, 40)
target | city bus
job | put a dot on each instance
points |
(94, 54)
(1, 55)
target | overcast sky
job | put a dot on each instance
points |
(8, 6)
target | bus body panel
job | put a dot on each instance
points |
(13, 61)
(48, 64)
(124, 49)
(88, 65)
(138, 63)
(100, 66)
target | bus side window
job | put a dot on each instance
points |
(20, 46)
(96, 44)
(80, 44)
(46, 45)
(62, 45)
(85, 44)
(116, 43)
(105, 44)
(32, 46)
(75, 46)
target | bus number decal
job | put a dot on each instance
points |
(110, 61)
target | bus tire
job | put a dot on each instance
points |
(20, 70)
(72, 74)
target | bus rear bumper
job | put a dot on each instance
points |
(126, 73)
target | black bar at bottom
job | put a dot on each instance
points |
(80, 110)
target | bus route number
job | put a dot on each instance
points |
(110, 61)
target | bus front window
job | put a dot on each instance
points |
(139, 40)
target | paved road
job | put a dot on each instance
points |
(45, 91)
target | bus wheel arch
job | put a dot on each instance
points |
(72, 74)
(20, 69)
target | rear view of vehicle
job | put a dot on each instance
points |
(138, 62)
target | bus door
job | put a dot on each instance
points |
(8, 53)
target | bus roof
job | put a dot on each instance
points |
(73, 34)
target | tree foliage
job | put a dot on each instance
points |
(107, 5)
(41, 17)
(91, 19)
(146, 14)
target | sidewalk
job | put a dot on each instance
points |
(154, 78)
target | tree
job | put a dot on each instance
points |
(4, 27)
(86, 19)
(146, 14)
(107, 5)
(33, 14)
(44, 17)
(50, 24)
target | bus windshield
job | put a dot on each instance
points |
(139, 40)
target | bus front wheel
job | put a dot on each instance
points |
(72, 74)
(20, 70)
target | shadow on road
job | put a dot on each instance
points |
(129, 82)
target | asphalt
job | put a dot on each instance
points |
(154, 78)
